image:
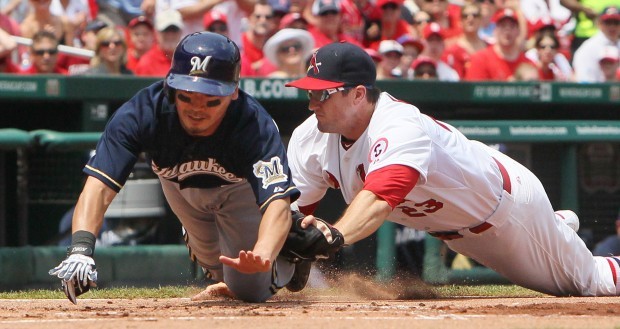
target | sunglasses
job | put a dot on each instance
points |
(218, 28)
(611, 22)
(41, 52)
(285, 49)
(547, 47)
(423, 72)
(429, 1)
(473, 15)
(108, 43)
(489, 1)
(422, 21)
(329, 12)
(322, 95)
(267, 17)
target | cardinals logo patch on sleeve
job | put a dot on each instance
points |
(270, 172)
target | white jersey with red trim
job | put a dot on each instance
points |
(459, 180)
(482, 203)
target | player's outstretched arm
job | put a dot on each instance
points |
(272, 232)
(363, 216)
(77, 273)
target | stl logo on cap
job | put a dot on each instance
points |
(199, 66)
(313, 64)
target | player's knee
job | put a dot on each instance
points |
(250, 291)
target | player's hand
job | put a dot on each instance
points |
(247, 262)
(77, 274)
(311, 238)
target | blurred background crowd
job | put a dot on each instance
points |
(448, 40)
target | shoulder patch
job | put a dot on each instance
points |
(377, 149)
(270, 172)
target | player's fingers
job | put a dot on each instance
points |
(232, 262)
(69, 289)
(307, 221)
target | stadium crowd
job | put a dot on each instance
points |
(448, 40)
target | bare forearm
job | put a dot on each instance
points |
(246, 5)
(572, 5)
(91, 206)
(363, 217)
(274, 228)
(199, 9)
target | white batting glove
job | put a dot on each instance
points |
(77, 274)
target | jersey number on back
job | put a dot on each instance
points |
(422, 208)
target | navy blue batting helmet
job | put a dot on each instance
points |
(207, 63)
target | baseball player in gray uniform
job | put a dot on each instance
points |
(393, 162)
(222, 166)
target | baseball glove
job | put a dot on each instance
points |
(317, 241)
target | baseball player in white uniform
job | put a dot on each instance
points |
(392, 162)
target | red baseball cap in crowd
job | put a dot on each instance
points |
(505, 13)
(609, 54)
(407, 39)
(291, 18)
(338, 64)
(140, 20)
(375, 55)
(610, 13)
(543, 23)
(432, 29)
(213, 16)
(423, 60)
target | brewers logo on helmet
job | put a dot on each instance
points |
(207, 63)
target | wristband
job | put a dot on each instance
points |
(83, 243)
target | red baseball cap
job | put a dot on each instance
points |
(610, 54)
(375, 55)
(423, 60)
(611, 12)
(213, 16)
(140, 20)
(290, 18)
(338, 64)
(505, 13)
(544, 22)
(407, 39)
(431, 29)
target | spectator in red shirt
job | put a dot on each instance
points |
(354, 17)
(445, 14)
(44, 54)
(156, 62)
(141, 40)
(551, 65)
(327, 30)
(261, 27)
(216, 22)
(458, 55)
(392, 25)
(499, 61)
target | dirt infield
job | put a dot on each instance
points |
(314, 310)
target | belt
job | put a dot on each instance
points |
(452, 235)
